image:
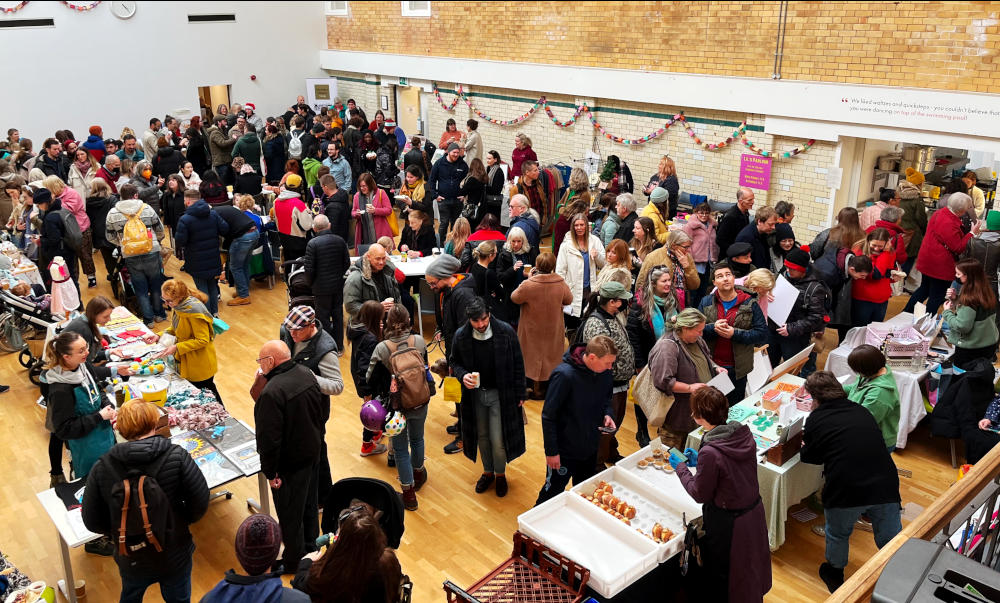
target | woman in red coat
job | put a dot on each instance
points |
(522, 152)
(942, 244)
(870, 296)
(371, 211)
(735, 550)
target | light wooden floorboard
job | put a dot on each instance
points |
(456, 535)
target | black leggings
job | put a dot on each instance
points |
(209, 384)
(55, 454)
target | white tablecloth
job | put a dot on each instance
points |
(911, 399)
(411, 267)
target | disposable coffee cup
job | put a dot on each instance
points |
(475, 380)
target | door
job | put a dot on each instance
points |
(408, 108)
(210, 97)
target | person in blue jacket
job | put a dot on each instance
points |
(577, 408)
(198, 233)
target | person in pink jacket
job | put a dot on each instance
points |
(74, 203)
(701, 227)
(371, 212)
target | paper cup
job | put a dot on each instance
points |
(475, 378)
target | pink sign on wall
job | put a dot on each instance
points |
(755, 172)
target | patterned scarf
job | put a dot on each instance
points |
(680, 284)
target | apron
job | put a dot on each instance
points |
(717, 543)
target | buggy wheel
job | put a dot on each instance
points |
(35, 373)
(25, 358)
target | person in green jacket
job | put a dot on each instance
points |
(875, 389)
(248, 147)
(311, 164)
(970, 315)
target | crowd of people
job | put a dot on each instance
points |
(572, 321)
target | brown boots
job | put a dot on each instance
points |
(419, 478)
(409, 498)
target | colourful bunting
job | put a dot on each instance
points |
(13, 9)
(81, 7)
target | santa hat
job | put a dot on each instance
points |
(250, 106)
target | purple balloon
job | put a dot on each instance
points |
(373, 415)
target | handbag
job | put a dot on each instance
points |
(653, 402)
(472, 212)
(391, 218)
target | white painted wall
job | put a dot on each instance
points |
(93, 68)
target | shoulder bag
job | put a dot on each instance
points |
(653, 402)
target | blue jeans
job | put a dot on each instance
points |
(239, 261)
(489, 430)
(174, 589)
(840, 524)
(146, 274)
(863, 313)
(210, 287)
(409, 444)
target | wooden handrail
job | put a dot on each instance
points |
(861, 584)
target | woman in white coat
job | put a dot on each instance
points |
(581, 256)
(82, 170)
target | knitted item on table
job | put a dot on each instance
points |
(197, 417)
(187, 398)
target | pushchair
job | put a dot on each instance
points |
(386, 502)
(121, 286)
(297, 285)
(20, 322)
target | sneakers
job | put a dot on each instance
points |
(452, 429)
(4, 389)
(238, 301)
(91, 282)
(161, 318)
(103, 546)
(409, 498)
(501, 486)
(419, 477)
(55, 479)
(485, 480)
(371, 449)
(455, 446)
(832, 576)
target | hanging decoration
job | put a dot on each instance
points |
(738, 134)
(81, 7)
(13, 9)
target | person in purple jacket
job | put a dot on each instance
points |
(735, 550)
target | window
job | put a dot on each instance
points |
(337, 9)
(416, 9)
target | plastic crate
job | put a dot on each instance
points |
(615, 554)
(876, 335)
(533, 574)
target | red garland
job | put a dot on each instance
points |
(83, 7)
(14, 8)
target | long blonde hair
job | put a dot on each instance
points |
(669, 167)
(459, 234)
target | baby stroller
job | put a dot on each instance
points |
(297, 285)
(20, 322)
(386, 502)
(121, 286)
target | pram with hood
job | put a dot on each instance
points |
(20, 320)
(121, 285)
(297, 284)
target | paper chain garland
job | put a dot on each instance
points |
(738, 134)
(15, 8)
(82, 7)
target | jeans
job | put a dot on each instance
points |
(239, 261)
(173, 589)
(146, 274)
(295, 504)
(840, 524)
(409, 444)
(489, 431)
(864, 312)
(930, 289)
(579, 470)
(450, 210)
(210, 287)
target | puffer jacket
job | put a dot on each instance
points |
(326, 262)
(249, 148)
(168, 161)
(179, 478)
(749, 324)
(198, 233)
(360, 285)
(148, 193)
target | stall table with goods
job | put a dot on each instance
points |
(775, 416)
(911, 358)
(15, 266)
(413, 267)
(224, 448)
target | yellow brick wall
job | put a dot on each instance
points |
(939, 45)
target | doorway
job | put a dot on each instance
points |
(408, 109)
(209, 98)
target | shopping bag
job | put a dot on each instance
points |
(393, 223)
(653, 402)
(452, 390)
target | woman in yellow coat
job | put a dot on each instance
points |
(191, 324)
(657, 210)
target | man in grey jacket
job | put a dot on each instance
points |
(146, 270)
(371, 278)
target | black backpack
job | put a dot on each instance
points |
(143, 520)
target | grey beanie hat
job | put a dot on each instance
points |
(444, 266)
(453, 147)
(659, 195)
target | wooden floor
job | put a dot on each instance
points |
(456, 534)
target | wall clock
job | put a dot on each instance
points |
(123, 9)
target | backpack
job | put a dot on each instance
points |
(811, 291)
(72, 238)
(137, 238)
(143, 524)
(295, 145)
(410, 372)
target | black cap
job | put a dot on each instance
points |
(738, 249)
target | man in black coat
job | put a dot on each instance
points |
(289, 418)
(198, 233)
(755, 233)
(336, 206)
(486, 358)
(735, 218)
(860, 476)
(443, 187)
(326, 262)
(180, 479)
(52, 161)
(453, 293)
(625, 208)
(241, 240)
(577, 406)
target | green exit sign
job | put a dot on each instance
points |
(403, 82)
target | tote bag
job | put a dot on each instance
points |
(653, 402)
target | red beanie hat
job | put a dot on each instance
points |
(96, 131)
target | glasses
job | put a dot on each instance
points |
(263, 358)
(685, 246)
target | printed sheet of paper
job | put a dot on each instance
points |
(757, 378)
(723, 383)
(785, 295)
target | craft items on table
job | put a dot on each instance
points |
(197, 417)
